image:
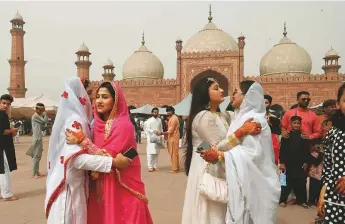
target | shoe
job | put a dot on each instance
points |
(11, 199)
(155, 169)
(150, 170)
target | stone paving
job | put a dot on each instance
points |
(164, 190)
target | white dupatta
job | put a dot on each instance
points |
(74, 108)
(253, 183)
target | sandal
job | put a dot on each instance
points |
(11, 199)
(304, 205)
(283, 204)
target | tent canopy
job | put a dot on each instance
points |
(183, 107)
(23, 108)
(146, 109)
(31, 102)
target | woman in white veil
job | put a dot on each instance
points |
(253, 183)
(67, 181)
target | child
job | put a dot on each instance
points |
(294, 154)
(316, 165)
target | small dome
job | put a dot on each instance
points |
(143, 64)
(210, 38)
(108, 63)
(331, 52)
(17, 16)
(286, 57)
(83, 48)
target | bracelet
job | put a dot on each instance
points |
(220, 158)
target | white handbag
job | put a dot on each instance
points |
(213, 188)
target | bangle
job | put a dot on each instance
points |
(220, 158)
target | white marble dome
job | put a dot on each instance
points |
(83, 48)
(17, 16)
(286, 58)
(331, 52)
(108, 63)
(143, 64)
(210, 38)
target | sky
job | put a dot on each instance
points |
(55, 30)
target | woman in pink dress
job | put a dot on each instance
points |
(118, 197)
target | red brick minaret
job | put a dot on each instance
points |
(108, 74)
(178, 69)
(83, 62)
(331, 66)
(17, 71)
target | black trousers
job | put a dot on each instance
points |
(298, 185)
(314, 190)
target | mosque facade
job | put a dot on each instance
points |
(284, 70)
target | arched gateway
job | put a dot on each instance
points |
(221, 79)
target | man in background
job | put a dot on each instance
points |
(173, 139)
(8, 161)
(274, 124)
(39, 120)
(317, 152)
(153, 126)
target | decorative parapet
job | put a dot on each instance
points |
(297, 78)
(144, 82)
(225, 53)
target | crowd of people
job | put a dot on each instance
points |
(235, 161)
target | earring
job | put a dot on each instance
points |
(208, 106)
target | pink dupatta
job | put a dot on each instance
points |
(123, 198)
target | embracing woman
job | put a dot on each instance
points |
(207, 125)
(254, 187)
(118, 197)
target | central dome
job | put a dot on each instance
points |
(143, 64)
(210, 38)
(286, 58)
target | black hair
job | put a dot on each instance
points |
(230, 108)
(338, 117)
(295, 118)
(245, 86)
(109, 87)
(170, 109)
(153, 109)
(7, 97)
(200, 102)
(268, 97)
(39, 105)
(302, 93)
(341, 91)
(328, 103)
(86, 83)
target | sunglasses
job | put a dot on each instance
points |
(305, 99)
(210, 79)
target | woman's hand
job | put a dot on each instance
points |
(340, 188)
(321, 202)
(74, 138)
(285, 133)
(282, 167)
(211, 155)
(121, 162)
(251, 128)
(248, 128)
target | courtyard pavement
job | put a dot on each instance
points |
(165, 192)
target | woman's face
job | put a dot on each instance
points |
(341, 103)
(104, 101)
(237, 98)
(216, 93)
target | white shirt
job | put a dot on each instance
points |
(153, 124)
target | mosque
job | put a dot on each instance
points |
(284, 70)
